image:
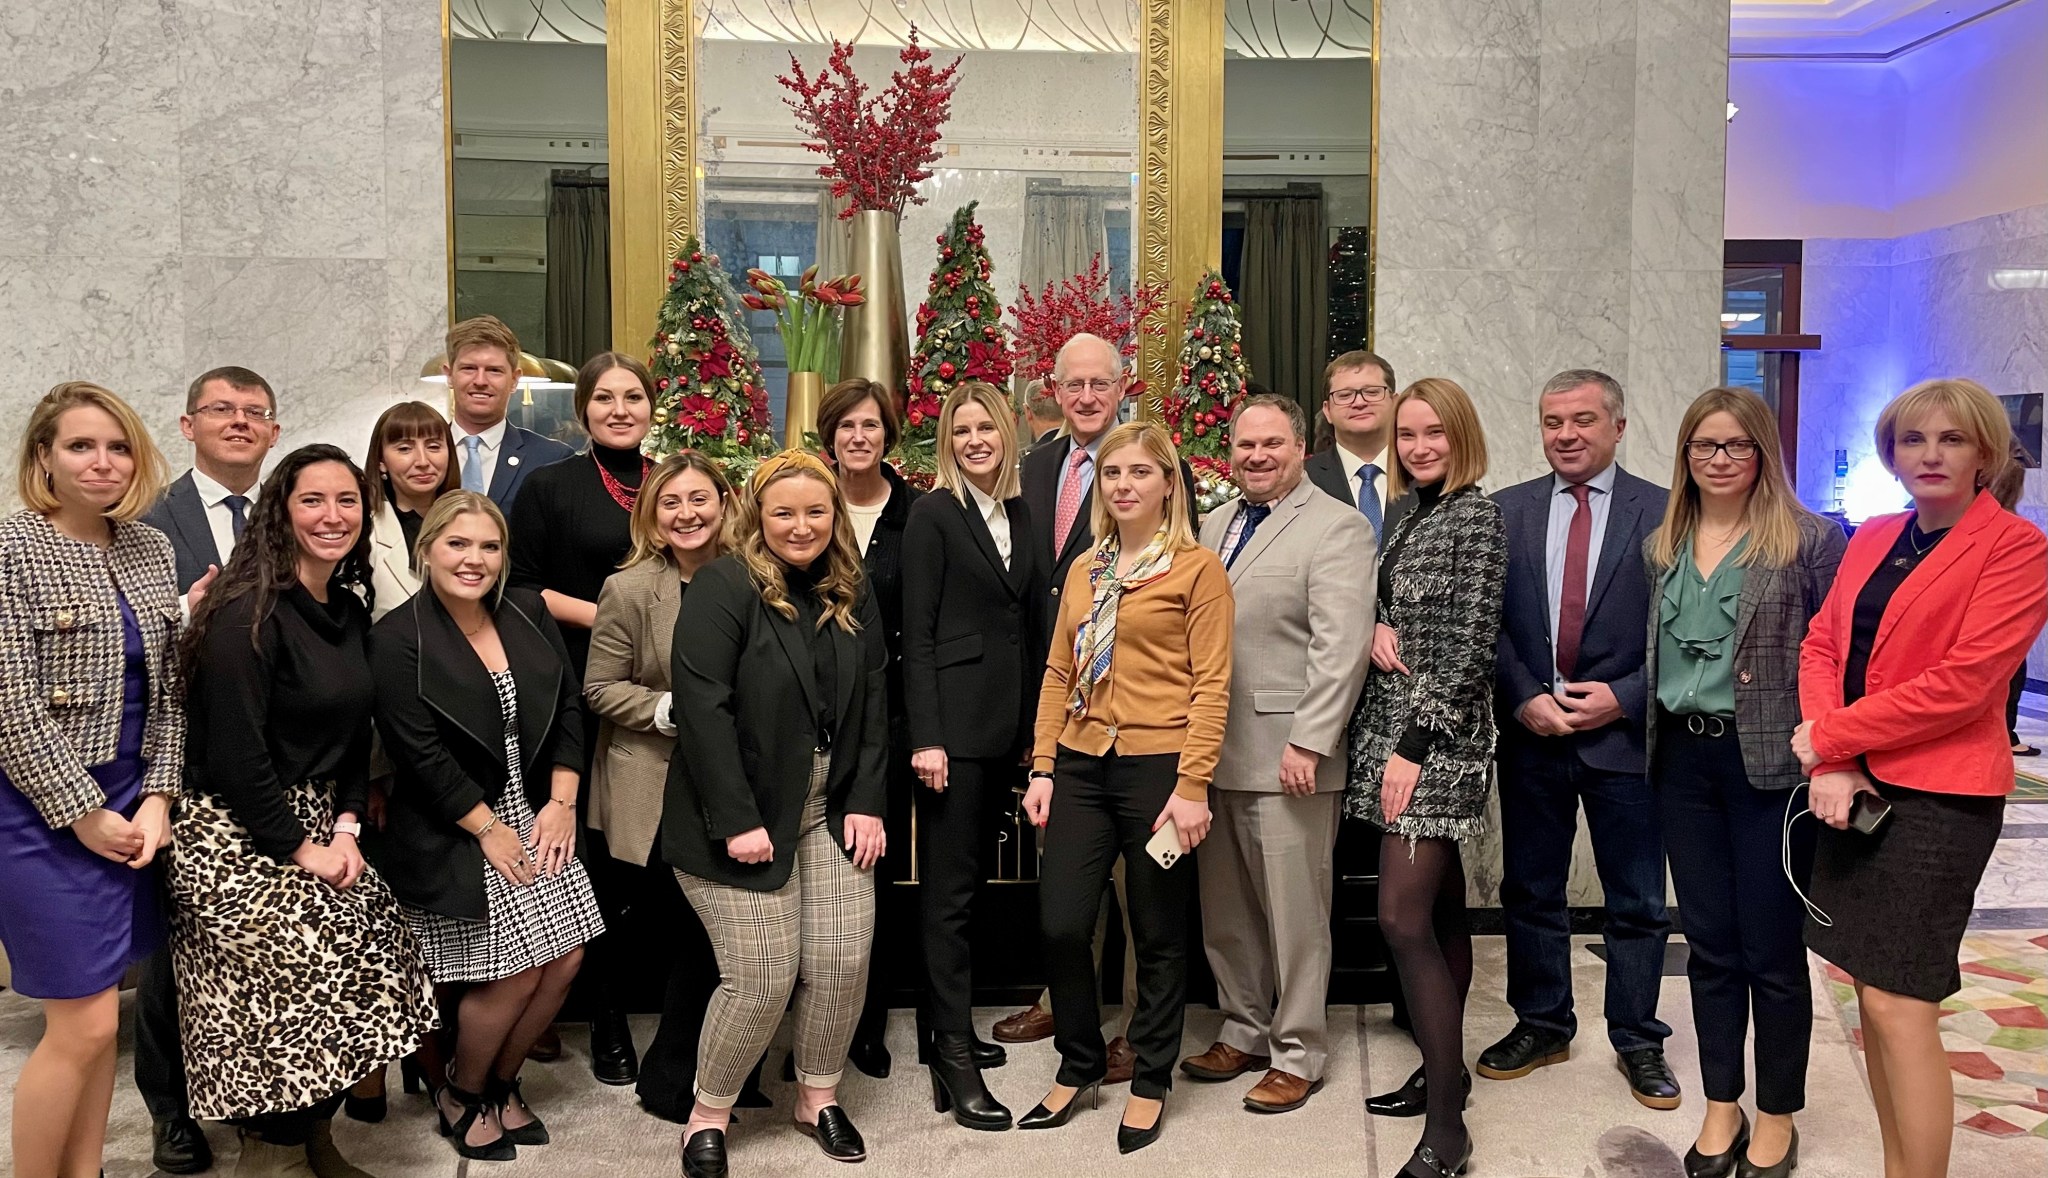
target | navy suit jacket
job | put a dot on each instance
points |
(1326, 470)
(1613, 646)
(180, 515)
(523, 451)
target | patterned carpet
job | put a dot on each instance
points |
(1995, 1030)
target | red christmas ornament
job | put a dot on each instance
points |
(946, 371)
(1176, 437)
(1200, 430)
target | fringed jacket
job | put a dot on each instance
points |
(1443, 570)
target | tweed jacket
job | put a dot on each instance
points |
(1771, 619)
(1303, 585)
(624, 681)
(61, 661)
(1445, 603)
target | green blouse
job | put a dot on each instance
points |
(1696, 634)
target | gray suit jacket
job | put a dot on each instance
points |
(624, 681)
(1771, 619)
(1304, 589)
(181, 516)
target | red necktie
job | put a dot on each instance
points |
(1070, 502)
(1571, 610)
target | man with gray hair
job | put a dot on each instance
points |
(1574, 700)
(1301, 567)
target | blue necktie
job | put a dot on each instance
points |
(1369, 496)
(1254, 515)
(238, 518)
(472, 471)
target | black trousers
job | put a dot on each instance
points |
(1743, 921)
(671, 937)
(2013, 691)
(296, 1126)
(159, 1052)
(896, 935)
(954, 830)
(1103, 807)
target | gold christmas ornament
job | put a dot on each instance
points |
(661, 415)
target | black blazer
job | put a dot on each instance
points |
(1042, 471)
(971, 655)
(885, 566)
(1325, 468)
(1612, 649)
(522, 452)
(743, 688)
(439, 718)
(180, 515)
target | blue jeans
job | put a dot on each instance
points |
(1541, 789)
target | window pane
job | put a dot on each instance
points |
(1759, 372)
(1752, 301)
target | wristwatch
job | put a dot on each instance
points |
(351, 828)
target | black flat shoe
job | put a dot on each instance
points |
(1718, 1165)
(957, 1086)
(836, 1135)
(1650, 1079)
(704, 1154)
(1783, 1168)
(871, 1058)
(1426, 1162)
(1041, 1117)
(1411, 1099)
(612, 1057)
(179, 1146)
(1522, 1051)
(1129, 1140)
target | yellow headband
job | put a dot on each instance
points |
(791, 461)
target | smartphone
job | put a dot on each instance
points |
(1868, 812)
(1164, 846)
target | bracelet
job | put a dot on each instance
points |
(553, 801)
(1038, 773)
(485, 829)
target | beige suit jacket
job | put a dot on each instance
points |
(391, 577)
(1304, 589)
(624, 681)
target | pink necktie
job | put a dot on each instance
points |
(1070, 502)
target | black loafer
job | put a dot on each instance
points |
(1411, 1099)
(179, 1146)
(1650, 1079)
(704, 1154)
(1718, 1165)
(836, 1135)
(1525, 1049)
(871, 1059)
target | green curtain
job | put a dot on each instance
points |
(579, 289)
(1286, 296)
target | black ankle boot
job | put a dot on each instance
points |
(612, 1058)
(957, 1086)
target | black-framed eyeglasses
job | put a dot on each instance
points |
(222, 411)
(1371, 394)
(1740, 450)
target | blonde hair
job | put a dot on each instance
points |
(950, 476)
(443, 514)
(1772, 512)
(484, 331)
(647, 541)
(840, 586)
(1152, 438)
(1970, 405)
(1467, 462)
(32, 479)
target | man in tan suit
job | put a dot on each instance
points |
(1301, 566)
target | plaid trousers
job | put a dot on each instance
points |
(819, 927)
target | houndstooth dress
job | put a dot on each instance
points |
(528, 926)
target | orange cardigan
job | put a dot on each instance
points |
(1168, 687)
(1933, 716)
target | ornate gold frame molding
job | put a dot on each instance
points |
(1180, 163)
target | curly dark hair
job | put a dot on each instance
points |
(266, 559)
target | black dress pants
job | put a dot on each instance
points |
(954, 830)
(672, 937)
(1743, 922)
(159, 1052)
(1103, 807)
(294, 1127)
(896, 934)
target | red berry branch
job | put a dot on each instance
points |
(880, 147)
(1082, 303)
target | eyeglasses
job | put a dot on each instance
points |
(1740, 450)
(223, 412)
(1370, 394)
(1098, 386)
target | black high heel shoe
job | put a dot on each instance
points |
(411, 1077)
(473, 1106)
(1041, 1117)
(1130, 1140)
(1411, 1099)
(500, 1092)
(1718, 1165)
(986, 1055)
(1426, 1162)
(957, 1086)
(367, 1109)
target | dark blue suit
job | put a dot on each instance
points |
(1544, 779)
(521, 451)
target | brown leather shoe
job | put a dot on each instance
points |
(1028, 1025)
(547, 1048)
(1123, 1061)
(1280, 1092)
(1223, 1062)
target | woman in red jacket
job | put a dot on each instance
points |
(1902, 685)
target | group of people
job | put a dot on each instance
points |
(374, 764)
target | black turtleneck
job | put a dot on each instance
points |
(569, 534)
(802, 584)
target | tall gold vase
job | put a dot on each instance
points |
(876, 342)
(800, 414)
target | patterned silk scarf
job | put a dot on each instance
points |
(1095, 641)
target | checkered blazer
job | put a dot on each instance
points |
(1776, 607)
(61, 661)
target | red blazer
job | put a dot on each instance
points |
(1933, 716)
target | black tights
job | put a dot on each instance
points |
(1422, 915)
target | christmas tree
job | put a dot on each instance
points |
(709, 394)
(959, 337)
(1211, 384)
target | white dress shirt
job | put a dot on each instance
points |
(998, 520)
(1562, 507)
(1351, 462)
(486, 454)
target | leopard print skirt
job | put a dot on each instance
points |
(288, 990)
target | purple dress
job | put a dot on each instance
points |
(72, 921)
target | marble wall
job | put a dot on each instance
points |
(193, 183)
(1550, 198)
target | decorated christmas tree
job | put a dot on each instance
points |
(709, 394)
(1211, 384)
(959, 337)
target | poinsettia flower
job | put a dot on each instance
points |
(702, 415)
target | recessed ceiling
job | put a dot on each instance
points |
(1856, 29)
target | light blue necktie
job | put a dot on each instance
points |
(472, 470)
(1369, 497)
